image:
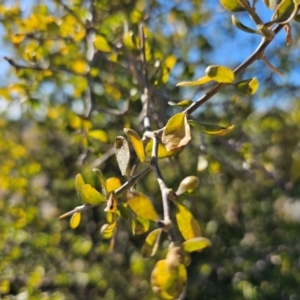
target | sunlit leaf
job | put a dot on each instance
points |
(112, 184)
(285, 11)
(91, 195)
(151, 243)
(186, 222)
(75, 220)
(111, 205)
(177, 132)
(232, 5)
(130, 41)
(199, 81)
(162, 151)
(247, 87)
(242, 27)
(136, 142)
(211, 129)
(107, 230)
(196, 244)
(183, 103)
(102, 180)
(122, 153)
(220, 74)
(188, 183)
(80, 66)
(79, 183)
(140, 225)
(99, 135)
(101, 43)
(142, 206)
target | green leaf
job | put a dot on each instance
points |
(99, 135)
(177, 132)
(101, 43)
(140, 225)
(136, 143)
(196, 244)
(122, 153)
(75, 220)
(79, 183)
(142, 206)
(186, 222)
(162, 151)
(188, 183)
(102, 180)
(151, 243)
(220, 74)
(199, 81)
(285, 11)
(91, 195)
(211, 129)
(183, 103)
(232, 5)
(242, 27)
(248, 86)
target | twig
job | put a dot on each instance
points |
(269, 64)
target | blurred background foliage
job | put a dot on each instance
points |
(72, 81)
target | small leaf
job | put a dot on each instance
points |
(188, 183)
(141, 206)
(101, 43)
(122, 153)
(151, 243)
(99, 135)
(102, 180)
(136, 143)
(168, 283)
(186, 222)
(196, 244)
(285, 11)
(107, 230)
(91, 195)
(162, 151)
(111, 205)
(247, 87)
(112, 184)
(79, 183)
(75, 220)
(211, 129)
(232, 5)
(140, 225)
(183, 103)
(177, 132)
(220, 74)
(199, 81)
(123, 212)
(242, 27)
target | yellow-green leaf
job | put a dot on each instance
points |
(242, 27)
(101, 43)
(183, 103)
(220, 74)
(122, 153)
(102, 180)
(99, 135)
(196, 244)
(232, 5)
(177, 132)
(162, 151)
(79, 183)
(285, 11)
(136, 143)
(188, 183)
(140, 225)
(91, 195)
(248, 86)
(142, 206)
(151, 243)
(199, 81)
(112, 184)
(211, 129)
(107, 230)
(187, 224)
(75, 220)
(168, 283)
